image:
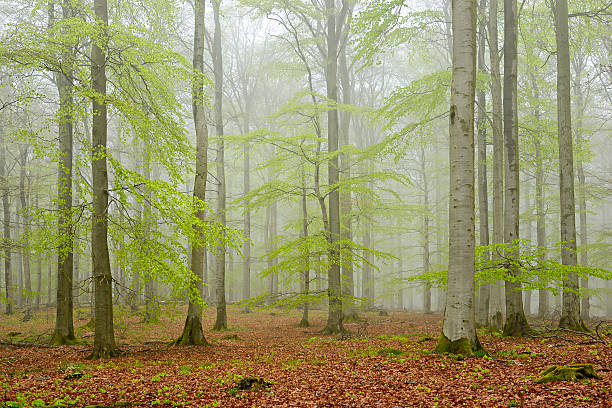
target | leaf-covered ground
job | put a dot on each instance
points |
(387, 363)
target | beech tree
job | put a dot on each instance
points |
(516, 323)
(192, 332)
(64, 330)
(458, 331)
(104, 333)
(570, 313)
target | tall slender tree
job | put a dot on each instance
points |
(64, 329)
(6, 221)
(334, 318)
(516, 323)
(192, 332)
(484, 292)
(221, 322)
(104, 333)
(570, 311)
(459, 331)
(496, 318)
(25, 209)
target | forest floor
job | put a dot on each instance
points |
(386, 363)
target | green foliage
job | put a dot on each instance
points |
(536, 271)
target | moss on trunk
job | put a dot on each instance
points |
(192, 333)
(58, 339)
(462, 347)
(516, 325)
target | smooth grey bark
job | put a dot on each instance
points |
(496, 318)
(367, 281)
(25, 210)
(104, 333)
(49, 283)
(8, 279)
(18, 255)
(484, 291)
(151, 308)
(543, 296)
(528, 236)
(585, 304)
(64, 326)
(334, 287)
(516, 323)
(425, 232)
(348, 287)
(37, 300)
(192, 331)
(459, 329)
(570, 311)
(221, 321)
(246, 188)
(305, 282)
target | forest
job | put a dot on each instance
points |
(305, 203)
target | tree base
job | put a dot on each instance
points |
(304, 323)
(572, 372)
(576, 324)
(193, 335)
(351, 316)
(27, 315)
(58, 339)
(462, 347)
(497, 322)
(333, 329)
(104, 351)
(219, 326)
(516, 326)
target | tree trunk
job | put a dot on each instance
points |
(151, 305)
(64, 329)
(49, 283)
(585, 307)
(334, 288)
(348, 279)
(246, 247)
(305, 284)
(516, 323)
(192, 331)
(425, 236)
(8, 281)
(543, 296)
(104, 333)
(367, 282)
(37, 301)
(221, 322)
(459, 331)
(570, 311)
(496, 318)
(528, 237)
(25, 210)
(484, 291)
